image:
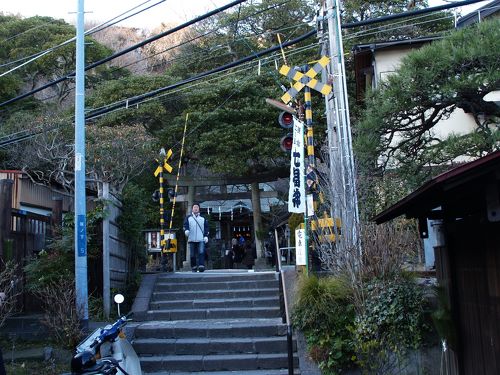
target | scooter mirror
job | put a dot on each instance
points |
(119, 298)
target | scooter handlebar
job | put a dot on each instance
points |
(110, 334)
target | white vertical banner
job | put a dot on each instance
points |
(296, 193)
(300, 247)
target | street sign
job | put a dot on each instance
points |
(300, 247)
(170, 245)
(306, 79)
(166, 166)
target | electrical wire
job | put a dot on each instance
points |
(149, 40)
(203, 35)
(93, 30)
(247, 17)
(126, 50)
(297, 50)
(409, 14)
(30, 133)
(169, 48)
(107, 109)
(24, 32)
(368, 33)
(227, 99)
(138, 98)
(187, 57)
(216, 77)
(364, 22)
(109, 23)
(402, 22)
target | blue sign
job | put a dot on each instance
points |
(81, 241)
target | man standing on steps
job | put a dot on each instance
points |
(196, 230)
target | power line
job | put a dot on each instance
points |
(139, 98)
(228, 66)
(107, 24)
(136, 99)
(215, 11)
(126, 50)
(187, 56)
(199, 36)
(382, 30)
(403, 23)
(218, 77)
(203, 35)
(30, 133)
(409, 14)
(24, 32)
(91, 31)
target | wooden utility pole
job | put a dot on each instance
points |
(5, 213)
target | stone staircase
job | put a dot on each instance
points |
(214, 323)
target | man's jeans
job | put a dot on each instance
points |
(197, 250)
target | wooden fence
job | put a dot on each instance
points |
(23, 234)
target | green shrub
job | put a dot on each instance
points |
(324, 313)
(57, 261)
(48, 268)
(390, 324)
(132, 221)
(443, 320)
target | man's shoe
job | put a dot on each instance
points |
(201, 268)
(194, 269)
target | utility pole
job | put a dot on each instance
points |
(342, 170)
(106, 279)
(80, 197)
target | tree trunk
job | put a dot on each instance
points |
(257, 218)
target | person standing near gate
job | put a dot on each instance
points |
(196, 230)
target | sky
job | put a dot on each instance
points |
(103, 10)
(169, 11)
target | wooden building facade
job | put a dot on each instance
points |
(464, 204)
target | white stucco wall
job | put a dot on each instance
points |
(387, 62)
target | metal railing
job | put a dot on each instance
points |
(287, 253)
(289, 331)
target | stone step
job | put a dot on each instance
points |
(214, 313)
(216, 303)
(211, 328)
(207, 276)
(206, 294)
(207, 346)
(214, 285)
(230, 362)
(240, 372)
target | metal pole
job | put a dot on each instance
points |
(174, 261)
(348, 196)
(80, 198)
(163, 244)
(310, 158)
(287, 233)
(289, 332)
